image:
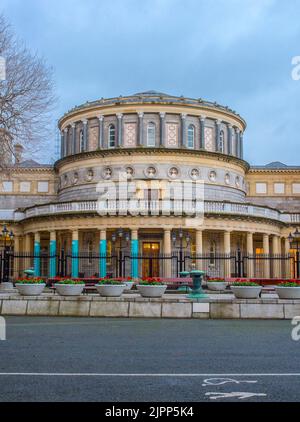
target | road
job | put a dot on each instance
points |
(117, 360)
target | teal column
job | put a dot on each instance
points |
(102, 252)
(75, 252)
(52, 262)
(134, 253)
(37, 255)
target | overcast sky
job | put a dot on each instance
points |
(235, 52)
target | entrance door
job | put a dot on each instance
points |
(150, 259)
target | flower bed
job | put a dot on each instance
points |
(30, 286)
(151, 287)
(288, 290)
(69, 287)
(246, 289)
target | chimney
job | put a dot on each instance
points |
(18, 152)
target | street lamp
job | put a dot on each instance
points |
(184, 241)
(6, 235)
(118, 237)
(294, 239)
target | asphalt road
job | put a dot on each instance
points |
(80, 359)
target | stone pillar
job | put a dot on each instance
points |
(101, 132)
(66, 141)
(199, 249)
(141, 129)
(183, 131)
(103, 253)
(237, 140)
(75, 252)
(62, 144)
(73, 149)
(85, 135)
(266, 248)
(37, 254)
(218, 131)
(134, 252)
(276, 260)
(250, 254)
(162, 129)
(17, 241)
(229, 139)
(52, 250)
(167, 253)
(202, 132)
(288, 262)
(227, 251)
(241, 146)
(120, 129)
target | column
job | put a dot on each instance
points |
(102, 253)
(162, 129)
(241, 146)
(202, 132)
(37, 253)
(167, 253)
(52, 250)
(85, 134)
(75, 252)
(267, 261)
(250, 255)
(66, 141)
(73, 149)
(62, 142)
(237, 142)
(141, 128)
(275, 260)
(120, 129)
(229, 139)
(199, 249)
(218, 130)
(183, 130)
(101, 132)
(17, 258)
(134, 253)
(227, 250)
(288, 262)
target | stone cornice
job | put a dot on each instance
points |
(274, 170)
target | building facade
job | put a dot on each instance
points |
(152, 138)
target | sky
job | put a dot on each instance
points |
(236, 52)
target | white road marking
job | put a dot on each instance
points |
(81, 374)
(222, 381)
(241, 395)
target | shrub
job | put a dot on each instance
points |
(70, 281)
(26, 280)
(150, 281)
(288, 284)
(244, 284)
(110, 282)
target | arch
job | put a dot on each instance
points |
(191, 137)
(151, 129)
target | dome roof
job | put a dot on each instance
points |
(151, 92)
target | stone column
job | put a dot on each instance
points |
(227, 251)
(101, 132)
(62, 144)
(199, 249)
(229, 139)
(202, 132)
(85, 134)
(183, 130)
(141, 129)
(237, 140)
(241, 146)
(134, 253)
(66, 141)
(17, 241)
(250, 254)
(120, 129)
(52, 250)
(103, 253)
(267, 261)
(276, 260)
(167, 253)
(75, 252)
(73, 149)
(162, 129)
(37, 254)
(218, 131)
(288, 262)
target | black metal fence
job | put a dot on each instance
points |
(237, 264)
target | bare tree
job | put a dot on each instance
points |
(26, 97)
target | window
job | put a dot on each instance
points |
(151, 135)
(25, 186)
(7, 186)
(81, 141)
(279, 188)
(43, 187)
(221, 142)
(191, 137)
(296, 187)
(111, 136)
(261, 188)
(212, 254)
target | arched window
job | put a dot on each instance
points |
(151, 135)
(212, 254)
(221, 142)
(81, 141)
(191, 137)
(111, 136)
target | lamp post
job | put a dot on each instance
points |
(294, 239)
(117, 238)
(184, 241)
(7, 236)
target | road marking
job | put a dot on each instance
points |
(241, 395)
(222, 381)
(79, 374)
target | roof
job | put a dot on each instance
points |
(275, 165)
(31, 164)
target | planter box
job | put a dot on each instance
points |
(69, 289)
(211, 285)
(151, 291)
(288, 292)
(129, 285)
(247, 292)
(30, 289)
(110, 290)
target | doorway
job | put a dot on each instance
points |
(151, 252)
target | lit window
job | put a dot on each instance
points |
(43, 187)
(151, 135)
(111, 136)
(7, 186)
(25, 186)
(221, 142)
(261, 188)
(279, 188)
(191, 136)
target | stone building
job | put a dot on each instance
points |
(152, 137)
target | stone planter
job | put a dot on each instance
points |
(246, 292)
(110, 290)
(25, 289)
(69, 289)
(288, 292)
(216, 286)
(151, 291)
